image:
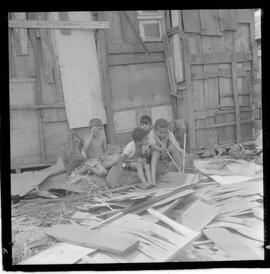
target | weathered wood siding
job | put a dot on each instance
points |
(139, 82)
(219, 62)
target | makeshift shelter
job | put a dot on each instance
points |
(68, 67)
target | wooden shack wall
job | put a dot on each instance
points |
(139, 83)
(219, 60)
(38, 122)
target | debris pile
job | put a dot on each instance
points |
(214, 214)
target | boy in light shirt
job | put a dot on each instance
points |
(133, 157)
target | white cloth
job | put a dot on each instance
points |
(130, 149)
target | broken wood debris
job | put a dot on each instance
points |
(188, 214)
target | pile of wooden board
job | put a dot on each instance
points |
(208, 219)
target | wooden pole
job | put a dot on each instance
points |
(184, 156)
(179, 169)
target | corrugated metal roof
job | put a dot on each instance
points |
(258, 24)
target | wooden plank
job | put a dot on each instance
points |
(228, 19)
(20, 35)
(130, 48)
(61, 253)
(189, 92)
(24, 182)
(236, 98)
(31, 107)
(46, 51)
(78, 235)
(63, 16)
(53, 24)
(106, 88)
(38, 93)
(224, 125)
(215, 74)
(12, 69)
(244, 16)
(176, 226)
(230, 244)
(215, 58)
(198, 215)
(209, 22)
(130, 60)
(242, 229)
(191, 21)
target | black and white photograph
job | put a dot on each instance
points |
(135, 137)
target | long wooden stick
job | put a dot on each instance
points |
(179, 169)
(184, 156)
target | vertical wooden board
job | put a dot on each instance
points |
(191, 21)
(177, 58)
(114, 33)
(242, 38)
(244, 15)
(201, 135)
(24, 64)
(12, 69)
(80, 79)
(21, 35)
(140, 112)
(194, 44)
(24, 138)
(127, 32)
(227, 133)
(212, 133)
(22, 93)
(199, 101)
(228, 19)
(209, 22)
(55, 139)
(228, 40)
(139, 85)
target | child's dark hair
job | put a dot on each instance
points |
(95, 123)
(162, 123)
(145, 119)
(138, 134)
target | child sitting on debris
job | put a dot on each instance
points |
(94, 150)
(133, 158)
(162, 140)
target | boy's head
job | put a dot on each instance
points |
(95, 125)
(145, 122)
(140, 136)
(161, 127)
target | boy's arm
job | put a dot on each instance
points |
(174, 142)
(105, 145)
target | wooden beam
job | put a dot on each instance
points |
(130, 48)
(47, 24)
(225, 73)
(106, 88)
(20, 35)
(189, 92)
(224, 124)
(130, 60)
(38, 91)
(31, 107)
(216, 58)
(236, 98)
(12, 71)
